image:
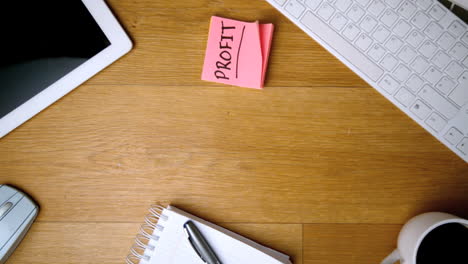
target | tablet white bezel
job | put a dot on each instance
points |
(120, 45)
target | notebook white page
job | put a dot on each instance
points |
(173, 247)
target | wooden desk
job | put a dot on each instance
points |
(317, 165)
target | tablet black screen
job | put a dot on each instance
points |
(41, 42)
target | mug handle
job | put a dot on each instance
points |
(392, 258)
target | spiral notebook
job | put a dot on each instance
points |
(162, 241)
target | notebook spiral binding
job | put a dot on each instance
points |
(152, 222)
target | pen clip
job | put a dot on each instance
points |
(195, 248)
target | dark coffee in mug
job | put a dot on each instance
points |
(445, 244)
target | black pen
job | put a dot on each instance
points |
(199, 244)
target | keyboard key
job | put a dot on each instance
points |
(393, 3)
(356, 13)
(465, 38)
(461, 121)
(414, 83)
(339, 21)
(376, 7)
(441, 59)
(445, 85)
(388, 84)
(281, 2)
(295, 8)
(457, 28)
(460, 94)
(381, 34)
(404, 97)
(402, 73)
(393, 44)
(459, 51)
(407, 9)
(415, 38)
(463, 146)
(342, 5)
(312, 4)
(401, 28)
(419, 65)
(433, 31)
(368, 24)
(428, 49)
(424, 4)
(453, 136)
(351, 32)
(447, 20)
(407, 54)
(347, 51)
(436, 122)
(325, 11)
(363, 42)
(446, 41)
(420, 20)
(454, 70)
(441, 104)
(437, 11)
(389, 62)
(465, 62)
(376, 52)
(432, 75)
(463, 80)
(389, 18)
(420, 109)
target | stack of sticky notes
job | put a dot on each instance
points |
(237, 52)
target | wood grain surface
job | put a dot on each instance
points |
(317, 165)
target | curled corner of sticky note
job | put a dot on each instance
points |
(237, 52)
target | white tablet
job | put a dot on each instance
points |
(48, 48)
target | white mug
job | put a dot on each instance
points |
(414, 231)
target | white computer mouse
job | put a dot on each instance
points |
(17, 213)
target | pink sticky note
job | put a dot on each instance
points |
(237, 52)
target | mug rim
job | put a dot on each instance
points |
(434, 226)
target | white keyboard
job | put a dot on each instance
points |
(414, 52)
